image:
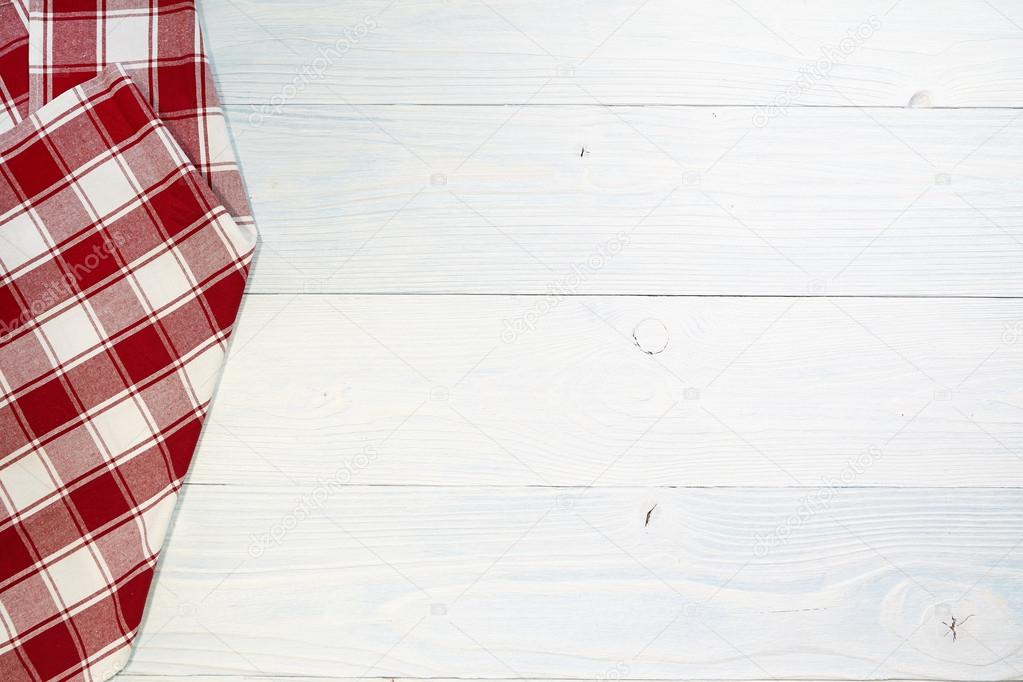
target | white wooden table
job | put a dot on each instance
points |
(637, 339)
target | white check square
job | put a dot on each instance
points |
(25, 482)
(127, 39)
(155, 521)
(203, 371)
(69, 334)
(162, 280)
(77, 576)
(7, 120)
(107, 188)
(121, 427)
(20, 241)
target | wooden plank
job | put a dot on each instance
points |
(332, 678)
(436, 390)
(646, 200)
(476, 487)
(878, 52)
(486, 582)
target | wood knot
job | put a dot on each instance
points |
(651, 336)
(921, 100)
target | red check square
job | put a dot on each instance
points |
(46, 407)
(90, 260)
(99, 501)
(10, 311)
(15, 558)
(143, 354)
(34, 169)
(52, 651)
(177, 87)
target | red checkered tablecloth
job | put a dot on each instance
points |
(159, 44)
(13, 64)
(125, 241)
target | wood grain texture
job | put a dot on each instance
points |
(613, 341)
(416, 390)
(739, 583)
(756, 52)
(697, 200)
(334, 678)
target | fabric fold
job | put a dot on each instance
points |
(13, 64)
(125, 243)
(160, 46)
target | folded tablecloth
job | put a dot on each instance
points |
(125, 241)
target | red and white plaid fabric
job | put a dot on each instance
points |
(159, 44)
(13, 64)
(125, 241)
